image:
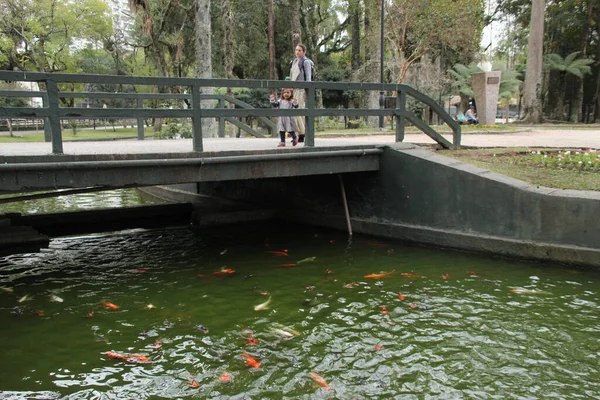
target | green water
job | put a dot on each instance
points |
(467, 336)
(82, 201)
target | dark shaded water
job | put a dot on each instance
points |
(459, 331)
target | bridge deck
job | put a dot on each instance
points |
(118, 164)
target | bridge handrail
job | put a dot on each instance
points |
(54, 113)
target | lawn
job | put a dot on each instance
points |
(564, 169)
(82, 134)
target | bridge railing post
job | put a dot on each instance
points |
(221, 119)
(140, 120)
(196, 118)
(400, 111)
(309, 139)
(47, 129)
(54, 118)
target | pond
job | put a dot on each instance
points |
(283, 311)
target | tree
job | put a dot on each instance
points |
(202, 39)
(40, 35)
(418, 28)
(532, 88)
(570, 65)
(11, 101)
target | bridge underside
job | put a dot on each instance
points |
(38, 173)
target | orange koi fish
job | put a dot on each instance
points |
(285, 265)
(445, 276)
(251, 340)
(224, 272)
(278, 253)
(378, 347)
(110, 305)
(225, 377)
(383, 310)
(320, 381)
(115, 355)
(193, 383)
(401, 296)
(407, 275)
(382, 275)
(251, 362)
(376, 243)
(137, 358)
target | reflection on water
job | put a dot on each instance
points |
(443, 325)
(83, 201)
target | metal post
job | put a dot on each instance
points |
(197, 118)
(309, 139)
(140, 120)
(345, 201)
(54, 118)
(400, 110)
(221, 119)
(381, 94)
(47, 129)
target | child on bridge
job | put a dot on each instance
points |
(286, 123)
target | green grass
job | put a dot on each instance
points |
(82, 134)
(520, 163)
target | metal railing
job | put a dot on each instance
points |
(53, 113)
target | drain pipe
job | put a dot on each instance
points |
(345, 201)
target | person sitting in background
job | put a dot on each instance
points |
(471, 116)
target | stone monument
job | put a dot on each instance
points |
(486, 86)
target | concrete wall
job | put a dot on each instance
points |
(424, 197)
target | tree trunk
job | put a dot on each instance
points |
(355, 23)
(532, 96)
(271, 42)
(10, 128)
(372, 53)
(203, 35)
(295, 25)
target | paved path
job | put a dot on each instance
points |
(533, 138)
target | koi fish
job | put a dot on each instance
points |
(401, 296)
(407, 275)
(137, 358)
(223, 252)
(383, 310)
(55, 299)
(284, 331)
(25, 298)
(263, 306)
(139, 270)
(285, 265)
(305, 260)
(382, 275)
(378, 347)
(251, 340)
(278, 253)
(89, 314)
(193, 383)
(412, 305)
(320, 381)
(251, 362)
(376, 243)
(225, 377)
(110, 305)
(39, 313)
(149, 307)
(528, 291)
(224, 272)
(445, 276)
(350, 285)
(7, 289)
(115, 355)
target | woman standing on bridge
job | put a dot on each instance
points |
(301, 70)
